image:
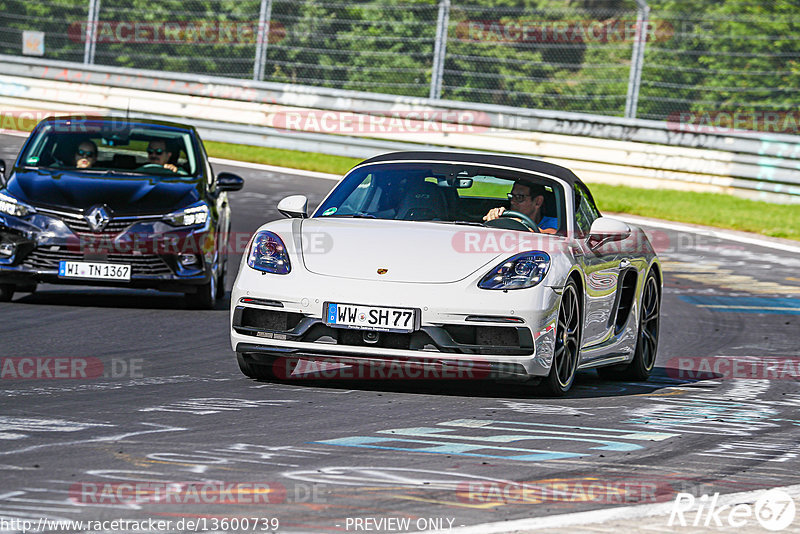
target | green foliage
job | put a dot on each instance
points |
(730, 55)
(575, 55)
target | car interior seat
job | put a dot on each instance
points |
(124, 161)
(422, 201)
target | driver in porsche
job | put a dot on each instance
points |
(158, 154)
(523, 200)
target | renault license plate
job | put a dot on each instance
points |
(86, 269)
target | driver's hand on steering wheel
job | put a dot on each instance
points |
(493, 214)
(171, 167)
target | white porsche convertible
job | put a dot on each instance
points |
(435, 264)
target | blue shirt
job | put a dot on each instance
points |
(548, 222)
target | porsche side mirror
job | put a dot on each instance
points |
(294, 206)
(607, 229)
(227, 181)
(2, 170)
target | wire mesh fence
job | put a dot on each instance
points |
(570, 55)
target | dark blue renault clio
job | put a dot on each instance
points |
(115, 202)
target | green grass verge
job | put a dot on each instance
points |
(307, 161)
(708, 209)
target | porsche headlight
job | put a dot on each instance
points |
(11, 206)
(191, 216)
(518, 272)
(268, 253)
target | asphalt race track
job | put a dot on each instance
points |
(168, 429)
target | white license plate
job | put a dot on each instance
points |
(86, 269)
(370, 317)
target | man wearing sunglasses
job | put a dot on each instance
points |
(523, 200)
(158, 154)
(86, 155)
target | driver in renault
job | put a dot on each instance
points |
(524, 201)
(159, 154)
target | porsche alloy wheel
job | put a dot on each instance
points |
(568, 342)
(644, 358)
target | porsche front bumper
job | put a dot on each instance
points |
(509, 333)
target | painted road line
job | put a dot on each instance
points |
(450, 448)
(621, 513)
(438, 440)
(778, 305)
(750, 309)
(558, 429)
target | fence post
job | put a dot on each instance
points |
(260, 62)
(91, 32)
(440, 49)
(637, 58)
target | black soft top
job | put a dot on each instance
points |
(519, 162)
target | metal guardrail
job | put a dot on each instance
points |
(633, 151)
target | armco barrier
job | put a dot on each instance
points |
(600, 148)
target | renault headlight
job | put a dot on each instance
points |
(518, 272)
(268, 254)
(11, 206)
(191, 216)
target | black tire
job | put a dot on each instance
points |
(250, 369)
(644, 356)
(27, 289)
(206, 296)
(568, 343)
(6, 292)
(221, 281)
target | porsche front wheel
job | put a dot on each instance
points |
(568, 343)
(644, 358)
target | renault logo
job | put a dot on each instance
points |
(97, 218)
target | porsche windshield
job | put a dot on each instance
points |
(118, 147)
(446, 192)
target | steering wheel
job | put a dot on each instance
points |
(154, 166)
(521, 217)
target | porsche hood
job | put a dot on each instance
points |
(404, 251)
